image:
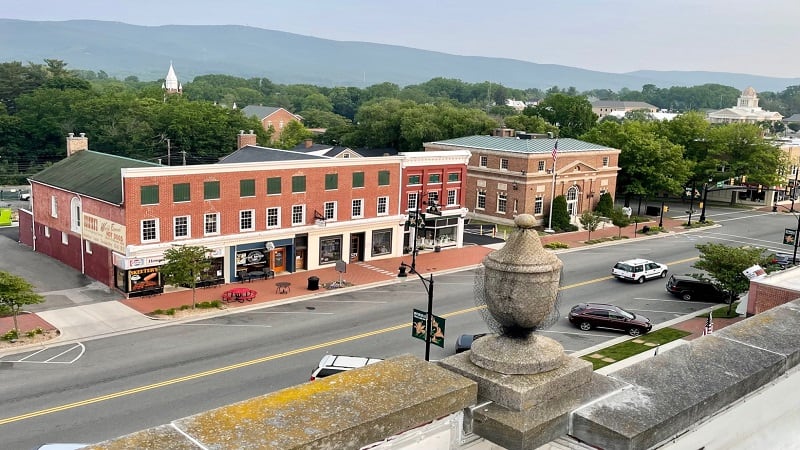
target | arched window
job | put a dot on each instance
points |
(572, 200)
(75, 214)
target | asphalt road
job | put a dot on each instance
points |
(116, 385)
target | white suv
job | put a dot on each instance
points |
(639, 270)
(333, 364)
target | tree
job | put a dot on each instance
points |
(572, 115)
(725, 265)
(15, 293)
(605, 205)
(185, 264)
(560, 215)
(590, 222)
(620, 219)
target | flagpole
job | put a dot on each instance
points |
(549, 228)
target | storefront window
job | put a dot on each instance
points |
(381, 242)
(330, 249)
(143, 281)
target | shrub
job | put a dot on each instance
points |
(556, 245)
(157, 312)
(184, 307)
(170, 312)
(605, 205)
(11, 335)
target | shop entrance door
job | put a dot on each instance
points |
(279, 260)
(356, 247)
(300, 259)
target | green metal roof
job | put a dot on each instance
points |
(89, 173)
(506, 144)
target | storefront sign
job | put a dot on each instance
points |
(146, 278)
(103, 232)
(132, 263)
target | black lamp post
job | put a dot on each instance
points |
(794, 187)
(661, 218)
(703, 206)
(429, 288)
(691, 205)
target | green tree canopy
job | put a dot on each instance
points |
(572, 115)
(184, 266)
(16, 293)
(725, 265)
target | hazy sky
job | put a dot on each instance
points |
(606, 35)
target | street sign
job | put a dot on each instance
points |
(789, 236)
(720, 184)
(419, 319)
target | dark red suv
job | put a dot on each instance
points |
(598, 315)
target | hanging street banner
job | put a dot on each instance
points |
(418, 327)
(789, 236)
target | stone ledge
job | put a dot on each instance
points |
(348, 410)
(676, 389)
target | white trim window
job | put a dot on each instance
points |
(452, 196)
(53, 206)
(149, 230)
(46, 231)
(480, 203)
(273, 218)
(247, 220)
(298, 215)
(433, 198)
(606, 160)
(88, 247)
(538, 205)
(413, 198)
(181, 226)
(329, 211)
(64, 238)
(503, 164)
(502, 200)
(75, 214)
(541, 166)
(210, 224)
(484, 161)
(383, 206)
(358, 208)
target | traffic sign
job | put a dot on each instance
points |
(720, 184)
(789, 236)
(419, 319)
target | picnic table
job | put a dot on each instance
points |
(282, 287)
(240, 295)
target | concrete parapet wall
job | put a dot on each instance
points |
(345, 411)
(675, 390)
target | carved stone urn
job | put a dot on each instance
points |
(520, 288)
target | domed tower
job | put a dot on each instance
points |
(748, 99)
(171, 84)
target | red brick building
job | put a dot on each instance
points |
(509, 175)
(259, 209)
(271, 117)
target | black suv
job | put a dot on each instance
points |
(688, 288)
(598, 315)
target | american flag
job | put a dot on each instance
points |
(555, 150)
(709, 328)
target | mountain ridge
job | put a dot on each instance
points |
(122, 50)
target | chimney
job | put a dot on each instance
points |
(308, 142)
(76, 144)
(243, 140)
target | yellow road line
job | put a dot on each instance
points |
(219, 370)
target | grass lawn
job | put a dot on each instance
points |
(629, 348)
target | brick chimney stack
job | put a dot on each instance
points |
(76, 144)
(308, 142)
(243, 140)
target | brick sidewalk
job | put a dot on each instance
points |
(358, 274)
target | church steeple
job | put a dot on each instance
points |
(171, 84)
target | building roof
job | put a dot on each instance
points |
(621, 104)
(793, 118)
(536, 146)
(89, 173)
(254, 153)
(263, 111)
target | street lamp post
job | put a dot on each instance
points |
(691, 204)
(703, 205)
(661, 218)
(794, 187)
(429, 288)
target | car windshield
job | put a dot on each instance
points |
(626, 314)
(624, 267)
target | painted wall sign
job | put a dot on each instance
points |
(103, 232)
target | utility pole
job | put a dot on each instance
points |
(169, 154)
(183, 152)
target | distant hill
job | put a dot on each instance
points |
(121, 50)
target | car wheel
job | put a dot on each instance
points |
(663, 274)
(640, 280)
(635, 332)
(585, 326)
(686, 296)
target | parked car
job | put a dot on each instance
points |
(464, 342)
(689, 288)
(639, 270)
(785, 260)
(599, 315)
(333, 364)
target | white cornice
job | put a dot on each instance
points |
(414, 159)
